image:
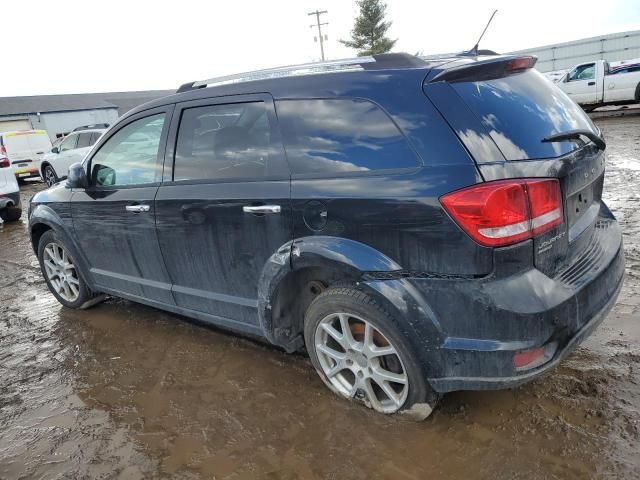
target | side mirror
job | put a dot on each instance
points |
(77, 177)
(55, 150)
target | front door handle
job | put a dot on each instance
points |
(591, 84)
(137, 208)
(261, 209)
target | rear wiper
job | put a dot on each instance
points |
(575, 135)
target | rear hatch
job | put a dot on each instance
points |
(517, 124)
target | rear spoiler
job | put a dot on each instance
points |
(486, 69)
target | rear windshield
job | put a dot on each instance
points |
(521, 110)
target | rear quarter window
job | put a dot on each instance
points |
(333, 136)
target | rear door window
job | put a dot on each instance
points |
(225, 142)
(334, 136)
(521, 110)
(84, 140)
(94, 137)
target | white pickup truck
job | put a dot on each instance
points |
(594, 84)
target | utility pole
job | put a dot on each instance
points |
(319, 25)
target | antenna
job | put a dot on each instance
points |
(474, 50)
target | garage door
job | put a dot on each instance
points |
(12, 125)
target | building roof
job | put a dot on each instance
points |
(122, 101)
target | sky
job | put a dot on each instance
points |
(70, 46)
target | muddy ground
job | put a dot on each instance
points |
(127, 391)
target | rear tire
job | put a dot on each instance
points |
(373, 362)
(10, 214)
(60, 272)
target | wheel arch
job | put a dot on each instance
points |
(43, 219)
(44, 164)
(302, 269)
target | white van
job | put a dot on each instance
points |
(10, 208)
(25, 150)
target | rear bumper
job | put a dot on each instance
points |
(498, 383)
(23, 173)
(483, 322)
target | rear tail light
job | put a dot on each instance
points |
(4, 163)
(3, 150)
(520, 64)
(505, 212)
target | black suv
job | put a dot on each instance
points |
(417, 225)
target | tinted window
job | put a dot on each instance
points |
(341, 135)
(84, 140)
(520, 110)
(69, 143)
(130, 156)
(226, 141)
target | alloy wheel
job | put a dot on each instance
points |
(359, 361)
(61, 272)
(50, 176)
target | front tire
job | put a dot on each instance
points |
(357, 349)
(60, 272)
(50, 176)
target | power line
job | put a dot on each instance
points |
(319, 25)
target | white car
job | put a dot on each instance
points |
(24, 150)
(55, 164)
(594, 84)
(10, 207)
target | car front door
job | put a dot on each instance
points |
(224, 208)
(581, 84)
(114, 218)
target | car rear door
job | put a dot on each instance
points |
(508, 124)
(224, 208)
(83, 146)
(21, 154)
(114, 218)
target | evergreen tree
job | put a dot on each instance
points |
(368, 34)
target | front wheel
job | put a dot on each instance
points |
(60, 272)
(50, 176)
(357, 350)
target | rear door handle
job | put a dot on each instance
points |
(261, 209)
(591, 84)
(137, 208)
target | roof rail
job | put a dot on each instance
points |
(288, 71)
(374, 62)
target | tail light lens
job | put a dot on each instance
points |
(505, 212)
(3, 150)
(520, 64)
(4, 163)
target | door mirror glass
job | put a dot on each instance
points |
(55, 150)
(103, 175)
(77, 176)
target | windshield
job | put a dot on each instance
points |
(519, 111)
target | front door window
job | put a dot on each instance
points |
(130, 157)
